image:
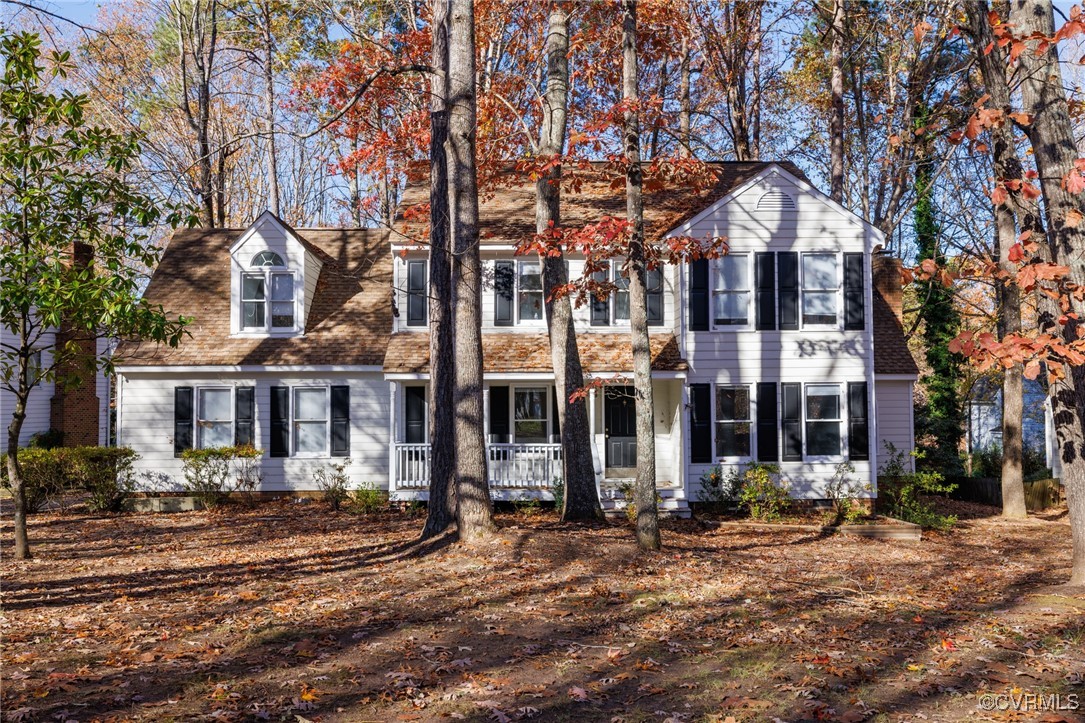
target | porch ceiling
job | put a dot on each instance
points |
(408, 352)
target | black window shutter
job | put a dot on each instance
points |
(858, 425)
(504, 281)
(280, 422)
(416, 293)
(654, 284)
(766, 291)
(556, 424)
(416, 414)
(182, 420)
(698, 295)
(853, 292)
(499, 414)
(789, 290)
(600, 308)
(700, 423)
(791, 421)
(340, 421)
(768, 446)
(244, 413)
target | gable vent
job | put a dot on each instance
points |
(775, 200)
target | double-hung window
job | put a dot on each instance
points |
(529, 291)
(615, 308)
(732, 421)
(823, 420)
(530, 424)
(820, 289)
(267, 295)
(731, 291)
(311, 421)
(214, 417)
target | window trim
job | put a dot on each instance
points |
(750, 421)
(838, 325)
(294, 389)
(197, 438)
(266, 272)
(547, 407)
(841, 421)
(713, 276)
(517, 320)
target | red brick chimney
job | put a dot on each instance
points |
(887, 282)
(74, 411)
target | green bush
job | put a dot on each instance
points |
(904, 495)
(763, 493)
(46, 476)
(333, 483)
(844, 493)
(719, 489)
(212, 475)
(47, 440)
(104, 472)
(988, 463)
(366, 499)
(557, 488)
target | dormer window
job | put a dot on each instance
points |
(267, 295)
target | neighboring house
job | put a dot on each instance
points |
(985, 415)
(78, 410)
(313, 345)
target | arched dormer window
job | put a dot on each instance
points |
(267, 258)
(268, 299)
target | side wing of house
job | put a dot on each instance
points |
(779, 336)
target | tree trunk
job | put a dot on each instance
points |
(1052, 138)
(581, 493)
(441, 512)
(269, 112)
(644, 492)
(474, 509)
(836, 119)
(15, 472)
(1007, 166)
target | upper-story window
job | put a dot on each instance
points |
(518, 293)
(267, 295)
(820, 289)
(731, 291)
(614, 309)
(416, 293)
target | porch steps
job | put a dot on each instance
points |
(673, 501)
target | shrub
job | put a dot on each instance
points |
(46, 440)
(212, 475)
(333, 483)
(719, 489)
(557, 488)
(366, 499)
(844, 493)
(904, 495)
(45, 476)
(527, 506)
(763, 493)
(105, 473)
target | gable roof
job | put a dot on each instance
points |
(507, 212)
(350, 314)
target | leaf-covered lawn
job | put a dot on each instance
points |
(292, 612)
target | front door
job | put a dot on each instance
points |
(620, 428)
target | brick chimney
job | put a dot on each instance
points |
(886, 270)
(74, 410)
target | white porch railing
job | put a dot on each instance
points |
(511, 466)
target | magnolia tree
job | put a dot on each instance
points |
(63, 197)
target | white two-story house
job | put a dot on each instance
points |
(313, 345)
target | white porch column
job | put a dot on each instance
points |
(595, 456)
(393, 417)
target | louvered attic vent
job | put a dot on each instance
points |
(775, 201)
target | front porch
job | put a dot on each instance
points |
(524, 456)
